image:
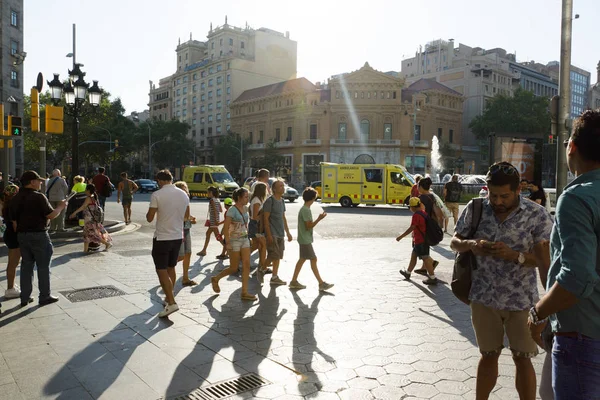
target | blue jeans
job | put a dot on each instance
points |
(102, 201)
(36, 249)
(576, 368)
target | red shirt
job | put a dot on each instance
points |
(418, 222)
(99, 181)
(414, 191)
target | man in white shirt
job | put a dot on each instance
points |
(262, 176)
(173, 207)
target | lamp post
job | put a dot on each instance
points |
(414, 141)
(75, 92)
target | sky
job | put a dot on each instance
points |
(125, 43)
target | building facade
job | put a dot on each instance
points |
(594, 101)
(212, 73)
(536, 80)
(361, 117)
(11, 84)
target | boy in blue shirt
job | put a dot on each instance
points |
(305, 239)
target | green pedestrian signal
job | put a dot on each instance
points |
(16, 126)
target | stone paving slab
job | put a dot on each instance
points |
(374, 336)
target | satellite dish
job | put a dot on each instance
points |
(40, 82)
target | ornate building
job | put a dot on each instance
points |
(365, 116)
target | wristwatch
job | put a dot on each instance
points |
(533, 316)
(521, 258)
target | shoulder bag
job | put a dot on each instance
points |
(465, 263)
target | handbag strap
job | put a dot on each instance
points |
(477, 212)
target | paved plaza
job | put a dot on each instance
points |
(373, 336)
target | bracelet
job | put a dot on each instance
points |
(533, 316)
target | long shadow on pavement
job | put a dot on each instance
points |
(304, 342)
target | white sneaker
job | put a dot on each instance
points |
(12, 293)
(169, 309)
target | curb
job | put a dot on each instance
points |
(111, 226)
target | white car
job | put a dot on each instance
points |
(290, 194)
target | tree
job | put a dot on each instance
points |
(522, 113)
(227, 152)
(172, 148)
(271, 158)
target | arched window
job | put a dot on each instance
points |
(365, 129)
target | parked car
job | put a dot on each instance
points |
(146, 185)
(317, 186)
(290, 194)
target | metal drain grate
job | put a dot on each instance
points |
(225, 389)
(92, 293)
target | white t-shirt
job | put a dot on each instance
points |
(171, 203)
(269, 192)
(254, 201)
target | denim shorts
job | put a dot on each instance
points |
(576, 368)
(237, 244)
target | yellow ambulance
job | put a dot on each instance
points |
(352, 184)
(200, 177)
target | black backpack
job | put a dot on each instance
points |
(433, 233)
(453, 192)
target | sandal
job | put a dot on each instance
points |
(249, 297)
(201, 253)
(215, 284)
(189, 283)
(222, 257)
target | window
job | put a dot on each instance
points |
(242, 45)
(211, 70)
(203, 86)
(210, 130)
(229, 90)
(14, 47)
(184, 112)
(194, 122)
(374, 175)
(202, 74)
(194, 110)
(194, 88)
(387, 131)
(219, 80)
(203, 97)
(14, 18)
(250, 137)
(202, 108)
(221, 42)
(14, 79)
(178, 103)
(420, 162)
(219, 117)
(219, 92)
(184, 101)
(185, 90)
(228, 77)
(337, 94)
(210, 94)
(230, 42)
(313, 131)
(450, 136)
(365, 128)
(342, 130)
(210, 107)
(194, 99)
(219, 67)
(210, 118)
(218, 104)
(195, 76)
(212, 45)
(185, 79)
(439, 134)
(178, 92)
(278, 135)
(202, 132)
(202, 120)
(289, 134)
(178, 81)
(210, 82)
(218, 129)
(417, 132)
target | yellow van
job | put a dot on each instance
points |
(200, 177)
(352, 184)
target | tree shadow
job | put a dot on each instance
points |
(237, 345)
(457, 314)
(304, 341)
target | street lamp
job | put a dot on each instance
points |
(75, 92)
(414, 115)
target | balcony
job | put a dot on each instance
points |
(256, 146)
(284, 144)
(419, 143)
(376, 142)
(311, 142)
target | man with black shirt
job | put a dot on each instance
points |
(452, 193)
(30, 214)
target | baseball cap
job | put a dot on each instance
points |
(29, 176)
(11, 190)
(228, 201)
(414, 202)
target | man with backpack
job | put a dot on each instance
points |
(418, 228)
(57, 191)
(509, 243)
(104, 188)
(434, 213)
(452, 193)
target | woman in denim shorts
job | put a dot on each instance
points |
(235, 233)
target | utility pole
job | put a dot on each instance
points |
(563, 125)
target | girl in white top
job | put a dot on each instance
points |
(235, 232)
(259, 195)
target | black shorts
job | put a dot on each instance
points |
(421, 250)
(165, 253)
(10, 239)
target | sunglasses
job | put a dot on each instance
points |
(505, 169)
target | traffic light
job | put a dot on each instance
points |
(54, 119)
(35, 110)
(15, 126)
(116, 143)
(10, 143)
(551, 139)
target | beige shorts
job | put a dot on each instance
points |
(490, 325)
(453, 207)
(276, 248)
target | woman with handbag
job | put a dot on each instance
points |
(255, 228)
(93, 231)
(238, 244)
(213, 218)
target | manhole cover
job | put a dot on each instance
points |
(92, 293)
(225, 389)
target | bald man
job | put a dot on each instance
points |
(57, 190)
